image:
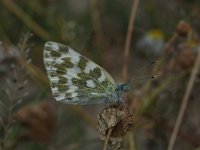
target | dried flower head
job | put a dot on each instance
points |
(186, 59)
(40, 121)
(183, 28)
(115, 118)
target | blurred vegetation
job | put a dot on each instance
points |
(29, 116)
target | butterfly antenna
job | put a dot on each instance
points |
(145, 78)
(153, 62)
(144, 68)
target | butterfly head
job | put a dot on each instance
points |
(125, 87)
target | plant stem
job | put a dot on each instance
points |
(128, 39)
(184, 102)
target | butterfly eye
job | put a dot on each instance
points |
(118, 89)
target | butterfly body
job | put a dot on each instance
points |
(75, 79)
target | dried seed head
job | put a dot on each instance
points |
(186, 59)
(183, 28)
(117, 118)
(40, 121)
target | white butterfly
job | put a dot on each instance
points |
(75, 79)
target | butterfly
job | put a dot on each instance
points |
(75, 79)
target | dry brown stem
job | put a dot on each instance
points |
(16, 10)
(128, 39)
(184, 102)
(107, 139)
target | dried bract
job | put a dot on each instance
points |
(115, 118)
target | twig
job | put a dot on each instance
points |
(107, 138)
(185, 136)
(128, 38)
(131, 141)
(16, 10)
(184, 101)
(170, 42)
(95, 14)
(127, 45)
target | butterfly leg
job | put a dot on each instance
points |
(121, 101)
(106, 101)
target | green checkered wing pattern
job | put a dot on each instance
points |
(75, 79)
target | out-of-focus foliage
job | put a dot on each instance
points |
(29, 116)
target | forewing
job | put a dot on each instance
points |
(74, 78)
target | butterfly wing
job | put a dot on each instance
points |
(75, 79)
